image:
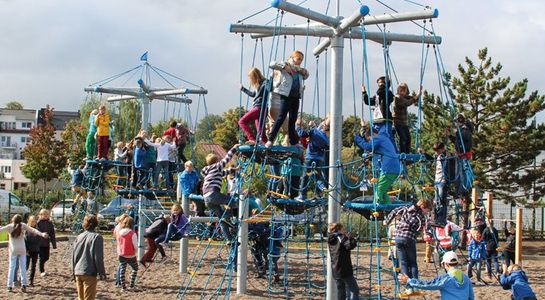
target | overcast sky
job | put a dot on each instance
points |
(52, 49)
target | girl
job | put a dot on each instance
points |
(45, 225)
(102, 122)
(17, 248)
(288, 86)
(32, 243)
(179, 226)
(259, 109)
(126, 250)
(401, 120)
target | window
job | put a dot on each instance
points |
(25, 139)
(26, 125)
(2, 186)
(5, 169)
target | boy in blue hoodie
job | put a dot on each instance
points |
(315, 154)
(515, 279)
(477, 253)
(382, 146)
(453, 285)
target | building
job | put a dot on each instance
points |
(15, 128)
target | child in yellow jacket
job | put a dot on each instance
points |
(102, 121)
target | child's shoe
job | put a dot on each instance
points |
(23, 288)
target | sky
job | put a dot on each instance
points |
(51, 50)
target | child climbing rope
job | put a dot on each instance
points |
(441, 186)
(340, 244)
(402, 101)
(257, 114)
(288, 86)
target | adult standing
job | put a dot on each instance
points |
(88, 259)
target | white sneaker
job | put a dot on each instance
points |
(43, 274)
(268, 144)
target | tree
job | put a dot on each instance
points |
(45, 155)
(229, 133)
(351, 127)
(506, 141)
(16, 105)
(73, 136)
(206, 126)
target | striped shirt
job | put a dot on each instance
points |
(412, 221)
(214, 173)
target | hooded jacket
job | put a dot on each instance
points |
(282, 80)
(127, 243)
(382, 146)
(477, 250)
(318, 143)
(518, 282)
(339, 248)
(454, 285)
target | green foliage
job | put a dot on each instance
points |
(127, 120)
(206, 126)
(229, 132)
(159, 128)
(351, 126)
(16, 105)
(506, 141)
(73, 136)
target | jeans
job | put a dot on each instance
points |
(477, 263)
(13, 260)
(347, 288)
(214, 202)
(404, 136)
(254, 115)
(508, 257)
(173, 234)
(318, 175)
(406, 254)
(492, 256)
(441, 202)
(162, 166)
(288, 106)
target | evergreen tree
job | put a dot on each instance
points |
(73, 136)
(16, 105)
(206, 126)
(506, 141)
(229, 133)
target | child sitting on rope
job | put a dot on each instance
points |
(476, 251)
(214, 199)
(454, 284)
(315, 154)
(179, 226)
(382, 116)
(288, 86)
(257, 114)
(382, 146)
(340, 244)
(515, 279)
(400, 116)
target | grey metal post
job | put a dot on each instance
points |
(141, 228)
(242, 259)
(145, 112)
(184, 242)
(334, 208)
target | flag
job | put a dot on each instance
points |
(144, 56)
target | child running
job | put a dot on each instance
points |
(259, 109)
(45, 225)
(17, 249)
(126, 250)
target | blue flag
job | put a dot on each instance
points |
(144, 56)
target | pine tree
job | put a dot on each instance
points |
(229, 133)
(506, 141)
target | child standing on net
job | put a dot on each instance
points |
(32, 243)
(340, 243)
(17, 248)
(45, 225)
(401, 119)
(102, 122)
(126, 250)
(477, 253)
(257, 114)
(90, 141)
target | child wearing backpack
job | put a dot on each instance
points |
(126, 250)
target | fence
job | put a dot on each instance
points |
(532, 218)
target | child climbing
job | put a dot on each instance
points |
(127, 243)
(32, 243)
(382, 116)
(400, 116)
(381, 145)
(17, 249)
(257, 114)
(476, 251)
(45, 225)
(179, 226)
(102, 121)
(156, 231)
(214, 199)
(90, 141)
(515, 279)
(288, 86)
(340, 244)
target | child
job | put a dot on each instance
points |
(381, 145)
(163, 161)
(157, 230)
(291, 172)
(189, 180)
(441, 186)
(45, 225)
(491, 238)
(454, 284)
(315, 154)
(182, 136)
(32, 243)
(340, 243)
(288, 85)
(179, 226)
(17, 248)
(90, 141)
(214, 199)
(510, 238)
(476, 251)
(139, 163)
(126, 250)
(91, 203)
(102, 122)
(118, 226)
(515, 279)
(392, 255)
(257, 114)
(382, 116)
(401, 120)
(120, 154)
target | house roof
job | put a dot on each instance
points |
(214, 148)
(20, 114)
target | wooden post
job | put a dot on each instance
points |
(474, 202)
(518, 241)
(489, 206)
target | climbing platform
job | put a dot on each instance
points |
(148, 193)
(273, 155)
(367, 208)
(296, 207)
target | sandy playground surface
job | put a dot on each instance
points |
(161, 280)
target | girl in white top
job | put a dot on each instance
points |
(17, 248)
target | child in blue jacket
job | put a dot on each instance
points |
(476, 250)
(315, 154)
(515, 279)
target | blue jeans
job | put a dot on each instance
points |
(492, 256)
(318, 175)
(441, 202)
(162, 166)
(288, 106)
(406, 254)
(477, 263)
(214, 202)
(347, 288)
(13, 260)
(173, 234)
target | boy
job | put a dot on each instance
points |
(515, 279)
(453, 285)
(476, 251)
(382, 115)
(340, 243)
(441, 186)
(491, 238)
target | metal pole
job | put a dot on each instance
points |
(334, 207)
(242, 259)
(145, 112)
(141, 229)
(184, 242)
